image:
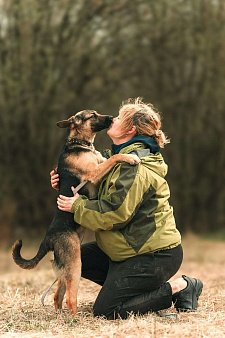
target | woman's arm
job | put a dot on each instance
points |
(114, 209)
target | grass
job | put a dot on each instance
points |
(217, 235)
(22, 315)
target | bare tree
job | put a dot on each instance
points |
(61, 56)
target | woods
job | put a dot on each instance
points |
(58, 57)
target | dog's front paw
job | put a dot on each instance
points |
(133, 159)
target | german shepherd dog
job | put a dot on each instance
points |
(78, 162)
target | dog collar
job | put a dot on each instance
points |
(79, 142)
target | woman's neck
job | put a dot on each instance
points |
(120, 140)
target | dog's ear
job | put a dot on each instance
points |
(70, 123)
(63, 124)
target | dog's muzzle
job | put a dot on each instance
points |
(104, 122)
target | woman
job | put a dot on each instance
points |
(138, 248)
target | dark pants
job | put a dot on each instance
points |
(138, 284)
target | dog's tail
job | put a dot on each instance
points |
(31, 263)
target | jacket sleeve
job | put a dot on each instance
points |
(118, 205)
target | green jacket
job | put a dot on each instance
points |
(132, 214)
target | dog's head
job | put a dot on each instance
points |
(86, 121)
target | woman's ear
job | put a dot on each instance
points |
(132, 131)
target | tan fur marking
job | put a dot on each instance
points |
(87, 168)
(59, 294)
(73, 283)
(84, 131)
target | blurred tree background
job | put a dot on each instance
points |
(61, 56)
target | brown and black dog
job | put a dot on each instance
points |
(78, 162)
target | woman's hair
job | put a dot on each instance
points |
(145, 117)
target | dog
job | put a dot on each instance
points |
(78, 162)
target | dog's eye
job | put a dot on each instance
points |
(93, 115)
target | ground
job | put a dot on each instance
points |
(22, 314)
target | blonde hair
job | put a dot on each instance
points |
(145, 117)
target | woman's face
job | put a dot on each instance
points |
(116, 131)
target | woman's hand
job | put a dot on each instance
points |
(54, 179)
(65, 203)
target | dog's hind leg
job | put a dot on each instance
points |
(67, 264)
(72, 284)
(72, 271)
(59, 294)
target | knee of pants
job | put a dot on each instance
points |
(103, 309)
(109, 313)
(99, 309)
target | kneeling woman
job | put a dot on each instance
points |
(138, 247)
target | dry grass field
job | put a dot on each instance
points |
(22, 315)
